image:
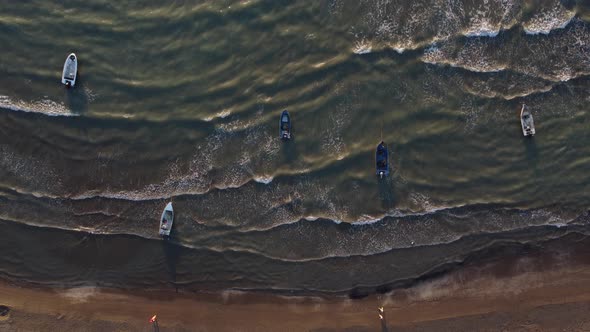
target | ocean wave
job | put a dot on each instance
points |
(263, 179)
(86, 230)
(278, 211)
(362, 47)
(435, 55)
(553, 221)
(196, 181)
(412, 245)
(564, 75)
(561, 76)
(409, 26)
(188, 245)
(151, 192)
(482, 32)
(44, 106)
(481, 67)
(221, 115)
(470, 250)
(483, 56)
(405, 228)
(511, 96)
(457, 239)
(361, 221)
(545, 22)
(167, 190)
(482, 26)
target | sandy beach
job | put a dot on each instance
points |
(524, 294)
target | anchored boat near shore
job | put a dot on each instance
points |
(526, 121)
(285, 126)
(382, 160)
(166, 221)
(68, 76)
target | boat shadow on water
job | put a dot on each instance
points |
(386, 183)
(76, 98)
(531, 158)
(172, 252)
(289, 149)
(531, 151)
(387, 191)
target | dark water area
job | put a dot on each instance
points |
(80, 259)
(181, 102)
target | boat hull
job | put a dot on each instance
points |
(166, 221)
(285, 126)
(527, 123)
(382, 160)
(70, 71)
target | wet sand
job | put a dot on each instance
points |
(523, 294)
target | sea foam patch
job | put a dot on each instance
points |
(43, 106)
(548, 20)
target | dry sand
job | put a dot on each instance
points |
(523, 294)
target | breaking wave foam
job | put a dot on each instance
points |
(547, 21)
(45, 106)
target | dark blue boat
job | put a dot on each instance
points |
(382, 160)
(285, 126)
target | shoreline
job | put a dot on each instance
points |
(480, 295)
(168, 266)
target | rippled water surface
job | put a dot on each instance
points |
(180, 101)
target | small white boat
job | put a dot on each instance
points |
(68, 77)
(526, 121)
(166, 220)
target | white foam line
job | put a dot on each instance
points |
(362, 47)
(46, 107)
(513, 96)
(263, 179)
(285, 259)
(221, 115)
(366, 220)
(474, 69)
(547, 30)
(483, 33)
(86, 230)
(411, 245)
(332, 256)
